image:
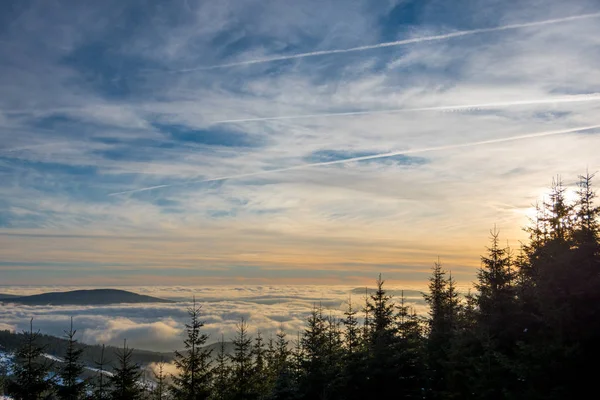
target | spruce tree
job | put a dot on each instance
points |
(352, 339)
(194, 378)
(126, 376)
(285, 386)
(382, 374)
(497, 325)
(221, 374)
(72, 386)
(31, 377)
(409, 352)
(314, 379)
(101, 383)
(260, 375)
(353, 373)
(241, 361)
(444, 304)
(160, 388)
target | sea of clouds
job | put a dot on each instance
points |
(160, 326)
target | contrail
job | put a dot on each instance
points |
(392, 44)
(565, 99)
(32, 146)
(364, 158)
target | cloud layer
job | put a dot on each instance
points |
(160, 327)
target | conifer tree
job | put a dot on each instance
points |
(285, 386)
(497, 330)
(160, 388)
(382, 356)
(409, 349)
(72, 386)
(221, 374)
(314, 344)
(193, 365)
(126, 376)
(496, 286)
(444, 304)
(101, 383)
(260, 376)
(353, 373)
(351, 329)
(241, 360)
(587, 214)
(31, 377)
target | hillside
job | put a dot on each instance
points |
(82, 297)
(55, 346)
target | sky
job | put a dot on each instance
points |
(284, 142)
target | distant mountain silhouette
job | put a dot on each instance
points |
(83, 297)
(7, 296)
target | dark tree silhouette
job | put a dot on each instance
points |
(126, 375)
(31, 377)
(193, 380)
(72, 386)
(101, 382)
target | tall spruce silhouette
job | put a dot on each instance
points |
(31, 375)
(194, 375)
(126, 376)
(72, 386)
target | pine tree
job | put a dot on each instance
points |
(125, 380)
(497, 325)
(31, 377)
(444, 304)
(221, 374)
(160, 388)
(241, 360)
(287, 366)
(409, 352)
(194, 372)
(381, 311)
(101, 383)
(496, 286)
(314, 379)
(260, 376)
(353, 373)
(73, 387)
(381, 360)
(352, 337)
(587, 214)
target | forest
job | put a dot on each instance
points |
(529, 329)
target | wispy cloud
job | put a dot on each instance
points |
(458, 107)
(372, 157)
(285, 172)
(395, 43)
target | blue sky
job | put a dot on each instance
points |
(195, 142)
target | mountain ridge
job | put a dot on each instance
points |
(83, 297)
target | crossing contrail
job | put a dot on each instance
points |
(364, 158)
(392, 44)
(556, 100)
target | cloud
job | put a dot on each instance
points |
(395, 43)
(374, 157)
(160, 327)
(83, 115)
